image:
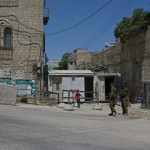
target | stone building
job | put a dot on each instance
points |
(79, 59)
(22, 44)
(107, 60)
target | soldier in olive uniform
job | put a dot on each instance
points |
(124, 94)
(112, 98)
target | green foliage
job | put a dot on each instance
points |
(63, 62)
(131, 26)
(113, 60)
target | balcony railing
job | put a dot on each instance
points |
(45, 16)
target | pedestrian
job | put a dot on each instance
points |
(124, 97)
(112, 99)
(77, 97)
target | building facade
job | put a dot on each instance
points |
(79, 59)
(22, 44)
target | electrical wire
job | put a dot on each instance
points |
(105, 27)
(23, 32)
(107, 22)
(81, 21)
(27, 27)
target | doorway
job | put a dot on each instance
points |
(88, 88)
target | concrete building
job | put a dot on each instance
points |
(61, 81)
(22, 44)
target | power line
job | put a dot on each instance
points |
(108, 24)
(101, 30)
(81, 21)
(120, 8)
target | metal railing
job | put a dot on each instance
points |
(71, 96)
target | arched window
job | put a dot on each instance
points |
(7, 37)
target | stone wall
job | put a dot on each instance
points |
(25, 18)
(108, 58)
(146, 61)
(135, 63)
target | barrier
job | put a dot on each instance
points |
(8, 94)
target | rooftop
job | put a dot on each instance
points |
(70, 72)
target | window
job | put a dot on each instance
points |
(6, 48)
(7, 37)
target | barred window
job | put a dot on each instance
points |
(7, 37)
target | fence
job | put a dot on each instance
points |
(47, 97)
(70, 96)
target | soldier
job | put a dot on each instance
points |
(124, 95)
(112, 98)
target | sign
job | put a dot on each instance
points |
(6, 81)
(25, 87)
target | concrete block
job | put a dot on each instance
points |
(8, 94)
(68, 108)
(97, 107)
(61, 105)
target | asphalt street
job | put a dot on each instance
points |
(35, 127)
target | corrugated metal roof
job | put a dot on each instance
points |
(71, 72)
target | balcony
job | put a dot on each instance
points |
(45, 16)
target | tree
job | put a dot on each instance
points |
(131, 26)
(64, 61)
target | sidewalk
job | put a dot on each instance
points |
(87, 108)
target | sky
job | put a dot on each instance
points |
(84, 24)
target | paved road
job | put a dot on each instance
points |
(25, 127)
